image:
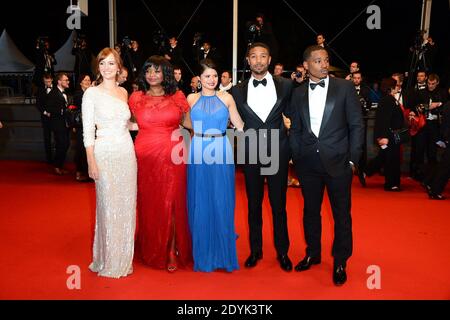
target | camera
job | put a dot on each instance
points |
(159, 38)
(197, 38)
(364, 104)
(298, 74)
(126, 42)
(423, 107)
(254, 32)
(252, 28)
(41, 42)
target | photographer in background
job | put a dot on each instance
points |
(210, 52)
(354, 67)
(260, 30)
(430, 101)
(44, 60)
(197, 47)
(132, 57)
(299, 75)
(435, 183)
(137, 56)
(362, 90)
(174, 52)
(83, 57)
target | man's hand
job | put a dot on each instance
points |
(354, 169)
(286, 121)
(435, 105)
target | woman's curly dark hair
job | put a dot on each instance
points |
(169, 84)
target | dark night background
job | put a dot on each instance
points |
(380, 52)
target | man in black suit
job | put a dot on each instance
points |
(41, 104)
(363, 92)
(435, 183)
(326, 138)
(57, 102)
(261, 100)
(83, 58)
(44, 60)
(174, 52)
(209, 52)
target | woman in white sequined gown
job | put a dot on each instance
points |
(112, 164)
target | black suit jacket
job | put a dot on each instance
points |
(445, 125)
(213, 54)
(274, 120)
(364, 93)
(56, 104)
(388, 116)
(341, 133)
(41, 99)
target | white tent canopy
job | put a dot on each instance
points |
(65, 60)
(11, 59)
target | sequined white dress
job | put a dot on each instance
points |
(105, 127)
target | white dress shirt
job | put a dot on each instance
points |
(262, 98)
(399, 97)
(317, 99)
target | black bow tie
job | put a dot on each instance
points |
(313, 85)
(257, 82)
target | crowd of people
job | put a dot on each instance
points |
(313, 124)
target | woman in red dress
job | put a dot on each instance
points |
(163, 237)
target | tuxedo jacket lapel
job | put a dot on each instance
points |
(329, 104)
(62, 97)
(305, 108)
(279, 91)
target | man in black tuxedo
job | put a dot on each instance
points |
(326, 138)
(210, 52)
(41, 104)
(173, 52)
(261, 100)
(363, 92)
(57, 102)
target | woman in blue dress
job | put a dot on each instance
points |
(211, 187)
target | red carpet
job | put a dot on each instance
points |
(46, 225)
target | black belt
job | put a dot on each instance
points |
(210, 135)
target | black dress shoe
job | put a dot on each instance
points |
(436, 196)
(339, 275)
(306, 263)
(252, 260)
(425, 186)
(392, 189)
(285, 262)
